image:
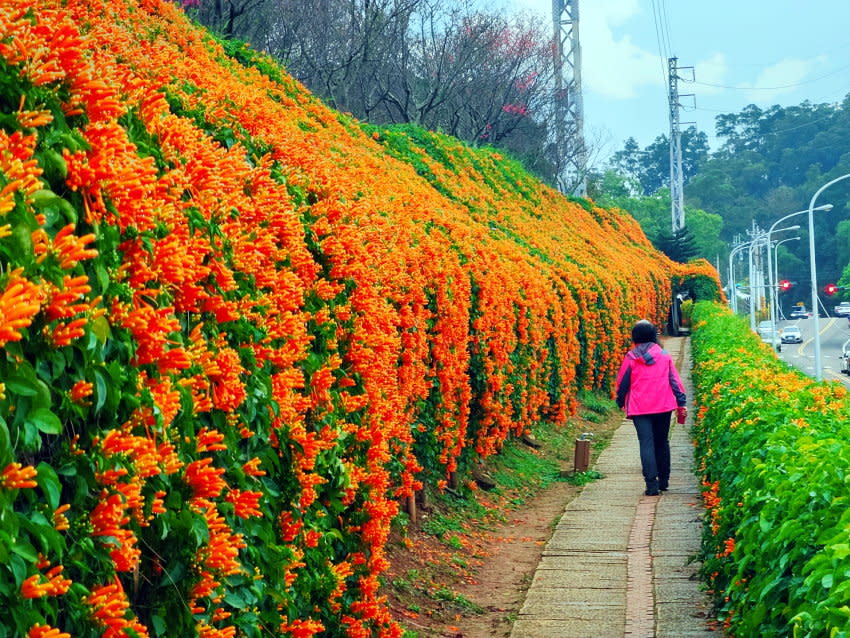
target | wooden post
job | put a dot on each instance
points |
(581, 460)
(410, 506)
(422, 497)
(453, 480)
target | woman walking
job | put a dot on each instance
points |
(649, 388)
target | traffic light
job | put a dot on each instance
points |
(785, 285)
(830, 289)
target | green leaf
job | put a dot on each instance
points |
(44, 198)
(21, 238)
(173, 575)
(24, 382)
(22, 386)
(101, 388)
(100, 329)
(102, 276)
(19, 569)
(26, 551)
(233, 599)
(45, 421)
(826, 581)
(41, 529)
(5, 443)
(159, 626)
(31, 440)
(200, 531)
(49, 483)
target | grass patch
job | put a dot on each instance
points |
(597, 402)
(457, 600)
(439, 524)
(583, 478)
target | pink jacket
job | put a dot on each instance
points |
(648, 382)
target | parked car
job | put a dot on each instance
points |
(842, 309)
(764, 327)
(792, 334)
(845, 358)
(772, 337)
(799, 312)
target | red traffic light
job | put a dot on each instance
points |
(785, 285)
(830, 289)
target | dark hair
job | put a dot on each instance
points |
(644, 332)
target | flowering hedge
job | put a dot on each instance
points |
(236, 328)
(774, 449)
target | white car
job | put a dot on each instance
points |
(798, 313)
(842, 309)
(792, 334)
(772, 338)
(764, 328)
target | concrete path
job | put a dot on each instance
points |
(618, 561)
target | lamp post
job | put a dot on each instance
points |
(776, 268)
(813, 267)
(757, 240)
(809, 210)
(771, 282)
(733, 296)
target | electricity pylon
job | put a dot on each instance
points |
(571, 162)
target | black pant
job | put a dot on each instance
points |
(652, 432)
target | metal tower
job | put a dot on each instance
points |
(677, 199)
(571, 162)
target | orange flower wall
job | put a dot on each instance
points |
(237, 327)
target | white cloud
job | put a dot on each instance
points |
(782, 78)
(612, 65)
(616, 12)
(615, 66)
(711, 74)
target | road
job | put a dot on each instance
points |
(834, 332)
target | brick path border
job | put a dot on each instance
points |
(640, 594)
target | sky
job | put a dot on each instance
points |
(761, 52)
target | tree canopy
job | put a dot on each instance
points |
(458, 67)
(769, 164)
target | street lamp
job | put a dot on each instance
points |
(818, 371)
(753, 297)
(733, 296)
(776, 266)
(773, 282)
(809, 210)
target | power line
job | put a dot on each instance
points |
(774, 88)
(665, 25)
(663, 53)
(831, 102)
(772, 132)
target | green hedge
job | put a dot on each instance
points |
(773, 448)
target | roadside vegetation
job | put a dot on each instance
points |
(773, 448)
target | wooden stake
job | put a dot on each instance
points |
(410, 503)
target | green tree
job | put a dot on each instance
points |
(653, 213)
(651, 166)
(842, 242)
(679, 245)
(706, 229)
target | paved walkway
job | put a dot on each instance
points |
(618, 561)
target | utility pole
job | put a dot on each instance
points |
(677, 196)
(571, 162)
(758, 238)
